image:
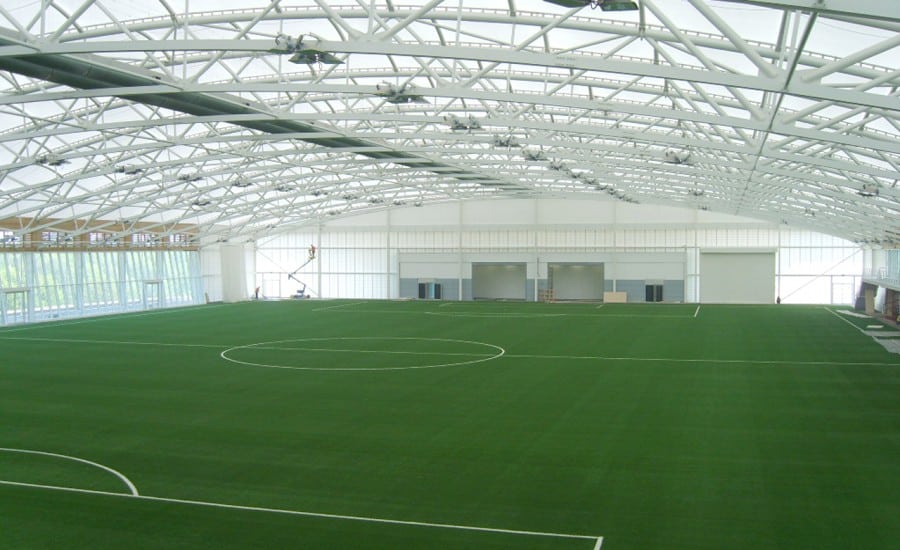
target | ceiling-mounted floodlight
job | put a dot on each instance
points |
(201, 203)
(605, 5)
(456, 123)
(51, 160)
(190, 177)
(129, 170)
(868, 190)
(240, 182)
(506, 141)
(302, 54)
(557, 165)
(398, 94)
(311, 56)
(676, 156)
(534, 154)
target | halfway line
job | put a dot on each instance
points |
(337, 306)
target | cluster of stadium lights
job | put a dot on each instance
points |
(605, 5)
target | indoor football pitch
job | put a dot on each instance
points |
(416, 424)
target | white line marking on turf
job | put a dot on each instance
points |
(514, 315)
(385, 351)
(116, 342)
(598, 307)
(263, 345)
(495, 314)
(698, 360)
(125, 480)
(599, 543)
(697, 311)
(831, 311)
(337, 306)
(101, 317)
(365, 519)
(510, 355)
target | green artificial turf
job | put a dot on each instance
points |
(460, 424)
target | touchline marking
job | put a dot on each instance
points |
(599, 543)
(510, 355)
(365, 519)
(125, 480)
(699, 360)
(697, 311)
(831, 311)
(102, 317)
(511, 315)
(337, 306)
(115, 342)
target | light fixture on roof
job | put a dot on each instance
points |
(456, 123)
(534, 154)
(506, 141)
(51, 160)
(399, 94)
(301, 53)
(201, 203)
(605, 5)
(128, 170)
(557, 165)
(868, 190)
(241, 182)
(190, 177)
(677, 156)
(283, 188)
(312, 56)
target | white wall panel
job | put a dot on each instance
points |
(737, 277)
(498, 282)
(234, 277)
(370, 219)
(624, 236)
(575, 212)
(428, 215)
(578, 282)
(498, 212)
(635, 269)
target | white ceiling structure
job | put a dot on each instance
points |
(244, 118)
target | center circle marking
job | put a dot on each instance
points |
(498, 352)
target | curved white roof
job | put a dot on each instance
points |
(242, 121)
